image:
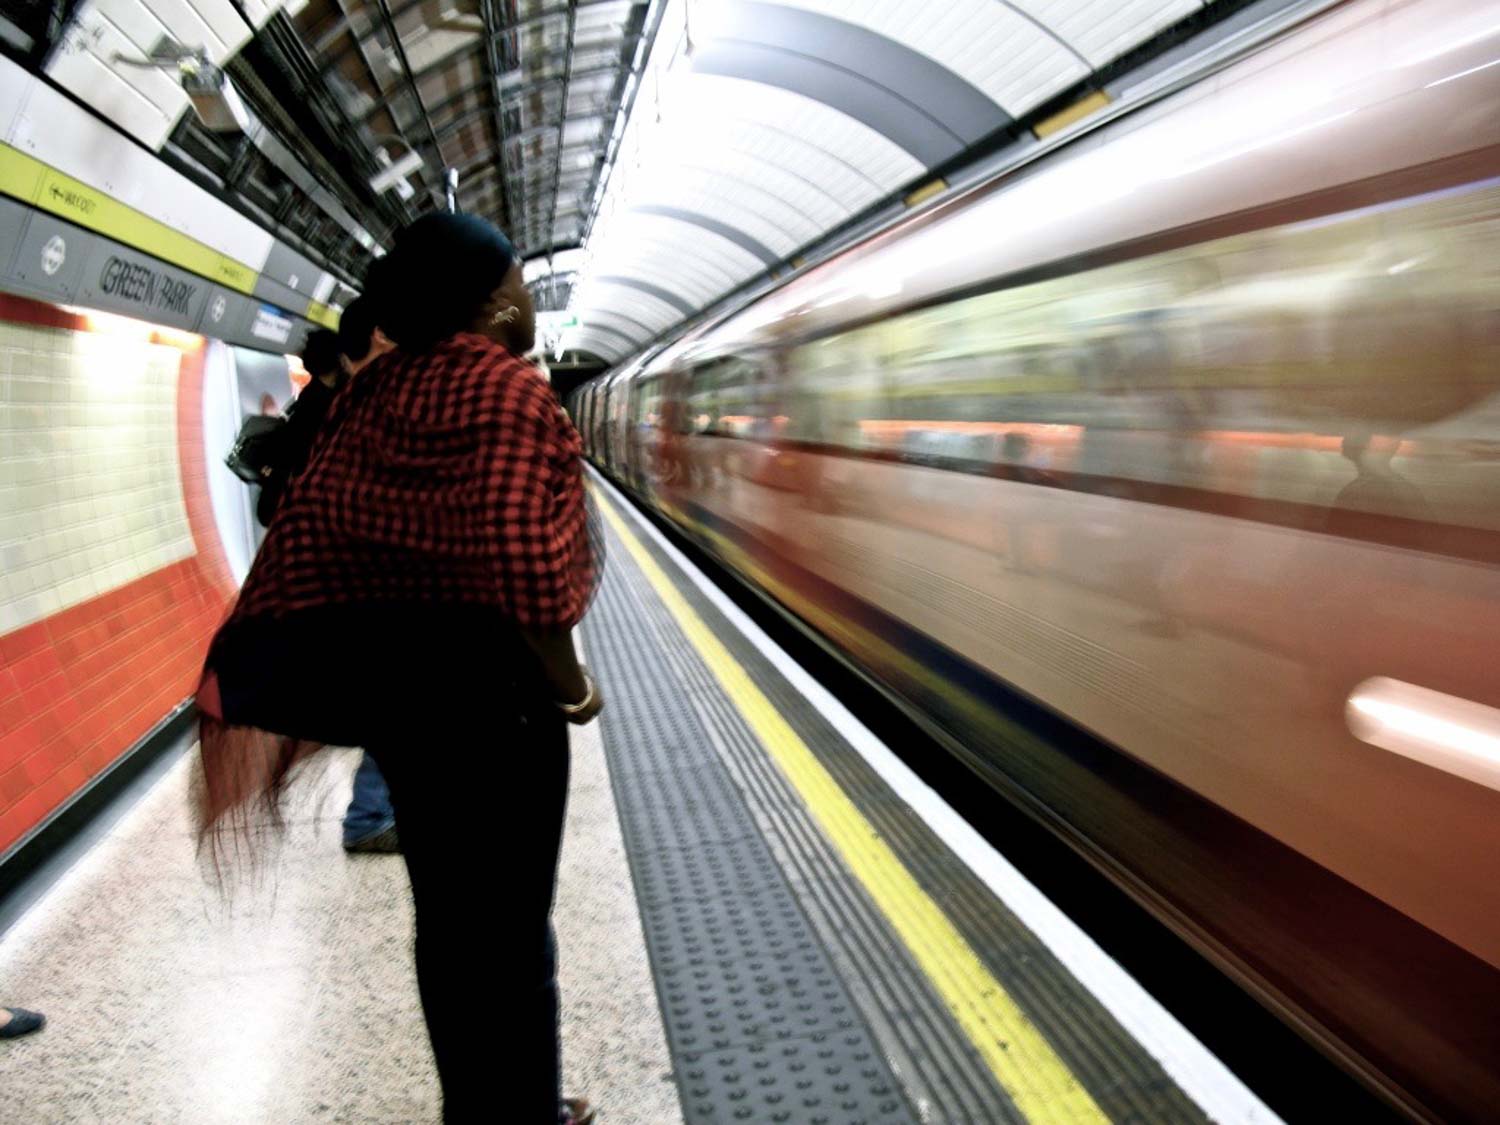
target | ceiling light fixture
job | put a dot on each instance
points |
(393, 174)
(215, 100)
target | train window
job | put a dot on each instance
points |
(1238, 365)
(646, 396)
(705, 396)
(728, 397)
(835, 386)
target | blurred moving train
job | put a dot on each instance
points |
(1161, 479)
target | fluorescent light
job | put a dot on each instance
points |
(1462, 74)
(1446, 732)
(392, 174)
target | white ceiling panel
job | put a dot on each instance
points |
(637, 303)
(190, 27)
(715, 104)
(228, 24)
(53, 129)
(1009, 56)
(618, 293)
(605, 346)
(724, 200)
(795, 191)
(748, 215)
(622, 322)
(582, 129)
(685, 280)
(260, 12)
(674, 272)
(146, 103)
(624, 311)
(15, 85)
(764, 145)
(846, 187)
(1102, 30)
(707, 254)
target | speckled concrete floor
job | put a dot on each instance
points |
(296, 1002)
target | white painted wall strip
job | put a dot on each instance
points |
(47, 126)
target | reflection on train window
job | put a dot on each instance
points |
(647, 400)
(730, 396)
(1239, 366)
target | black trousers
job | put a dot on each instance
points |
(479, 810)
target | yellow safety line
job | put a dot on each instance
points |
(1022, 1061)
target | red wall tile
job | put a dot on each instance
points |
(80, 688)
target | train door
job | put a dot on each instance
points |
(619, 423)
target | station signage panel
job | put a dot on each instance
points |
(226, 315)
(46, 257)
(122, 280)
(51, 258)
(274, 293)
(271, 326)
(284, 266)
(12, 226)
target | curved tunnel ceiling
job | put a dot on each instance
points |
(648, 157)
(758, 127)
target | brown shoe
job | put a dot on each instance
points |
(578, 1111)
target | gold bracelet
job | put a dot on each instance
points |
(584, 703)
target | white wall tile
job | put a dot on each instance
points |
(90, 487)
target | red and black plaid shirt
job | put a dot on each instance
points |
(452, 476)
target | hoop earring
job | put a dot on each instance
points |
(505, 316)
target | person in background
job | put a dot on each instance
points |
(330, 358)
(322, 360)
(16, 1022)
(369, 821)
(438, 548)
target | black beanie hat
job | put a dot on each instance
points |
(437, 277)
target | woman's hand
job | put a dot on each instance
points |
(573, 689)
(586, 703)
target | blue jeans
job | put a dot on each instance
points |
(370, 811)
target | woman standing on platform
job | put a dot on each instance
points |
(429, 564)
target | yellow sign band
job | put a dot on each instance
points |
(47, 189)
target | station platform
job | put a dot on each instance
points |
(763, 916)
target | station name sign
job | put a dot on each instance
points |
(145, 286)
(269, 324)
(50, 258)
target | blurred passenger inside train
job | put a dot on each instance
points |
(435, 554)
(1016, 453)
(1376, 493)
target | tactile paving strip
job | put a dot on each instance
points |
(945, 1080)
(938, 1067)
(761, 1026)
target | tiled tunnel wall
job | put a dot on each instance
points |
(112, 573)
